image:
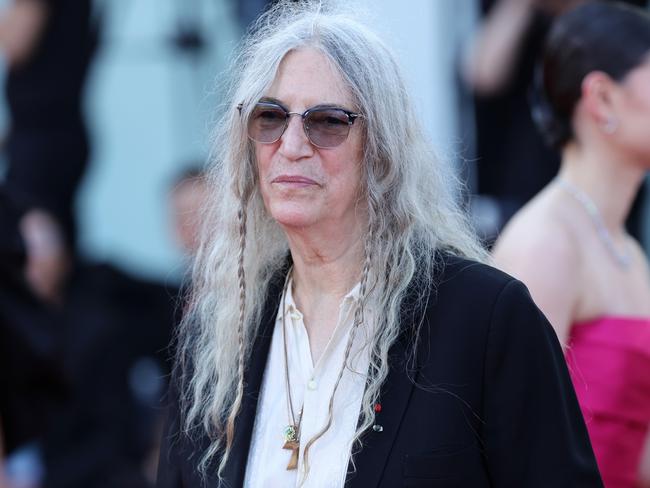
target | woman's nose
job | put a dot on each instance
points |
(294, 143)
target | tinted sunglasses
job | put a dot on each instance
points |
(326, 127)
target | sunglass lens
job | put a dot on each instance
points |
(266, 123)
(327, 127)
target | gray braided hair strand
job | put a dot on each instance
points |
(241, 277)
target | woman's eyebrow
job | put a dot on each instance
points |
(319, 105)
(329, 105)
(273, 100)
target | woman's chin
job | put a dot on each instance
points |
(292, 216)
(293, 220)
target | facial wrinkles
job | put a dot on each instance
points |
(298, 87)
(306, 166)
(310, 77)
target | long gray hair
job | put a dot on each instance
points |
(410, 196)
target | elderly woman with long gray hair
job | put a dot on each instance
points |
(342, 330)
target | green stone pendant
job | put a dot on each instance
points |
(291, 443)
(290, 433)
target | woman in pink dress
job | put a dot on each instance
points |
(569, 244)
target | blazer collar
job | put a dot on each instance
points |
(394, 397)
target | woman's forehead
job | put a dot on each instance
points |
(307, 77)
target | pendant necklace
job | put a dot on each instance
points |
(292, 430)
(621, 258)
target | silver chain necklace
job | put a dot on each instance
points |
(623, 259)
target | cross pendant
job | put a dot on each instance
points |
(295, 447)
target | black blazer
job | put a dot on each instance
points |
(486, 401)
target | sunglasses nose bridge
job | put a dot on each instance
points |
(303, 122)
(303, 128)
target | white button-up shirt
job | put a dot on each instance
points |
(311, 388)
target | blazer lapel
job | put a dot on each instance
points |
(369, 463)
(235, 468)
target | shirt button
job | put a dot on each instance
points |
(311, 385)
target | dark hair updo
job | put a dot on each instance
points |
(599, 36)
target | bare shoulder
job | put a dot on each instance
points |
(537, 239)
(540, 248)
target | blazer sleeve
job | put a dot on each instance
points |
(534, 432)
(169, 468)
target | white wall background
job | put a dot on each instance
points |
(150, 112)
(427, 36)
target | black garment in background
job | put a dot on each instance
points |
(32, 383)
(110, 323)
(484, 401)
(113, 323)
(513, 161)
(66, 376)
(47, 147)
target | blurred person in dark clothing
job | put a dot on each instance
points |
(79, 383)
(117, 331)
(513, 161)
(48, 45)
(112, 327)
(117, 328)
(32, 385)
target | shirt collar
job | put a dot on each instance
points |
(350, 299)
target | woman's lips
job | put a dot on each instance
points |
(295, 181)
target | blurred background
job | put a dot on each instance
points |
(105, 125)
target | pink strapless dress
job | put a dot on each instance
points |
(609, 362)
